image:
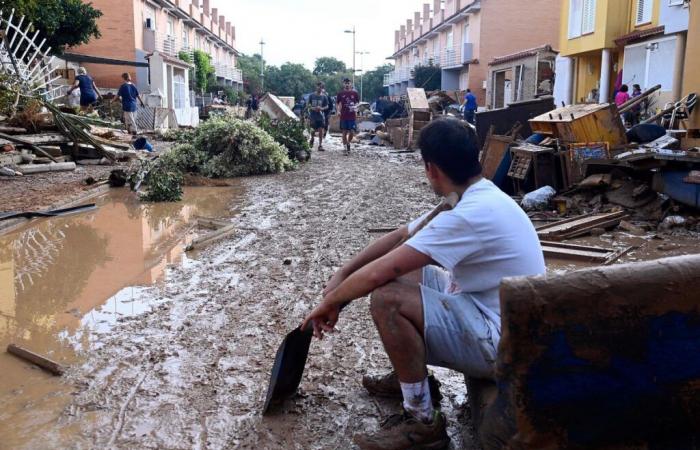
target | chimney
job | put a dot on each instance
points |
(233, 32)
(416, 19)
(228, 27)
(437, 6)
(409, 26)
(426, 11)
(214, 14)
(222, 21)
(403, 31)
(397, 36)
(195, 3)
(205, 6)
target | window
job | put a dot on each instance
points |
(149, 17)
(179, 91)
(171, 26)
(676, 2)
(450, 39)
(186, 37)
(644, 11)
(581, 17)
(465, 35)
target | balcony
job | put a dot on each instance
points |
(228, 73)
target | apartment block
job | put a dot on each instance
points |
(464, 36)
(607, 43)
(133, 30)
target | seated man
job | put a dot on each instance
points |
(449, 316)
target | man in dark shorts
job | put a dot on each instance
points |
(318, 105)
(347, 101)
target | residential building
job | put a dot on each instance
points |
(134, 29)
(463, 36)
(520, 76)
(691, 71)
(614, 42)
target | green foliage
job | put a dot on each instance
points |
(185, 158)
(182, 135)
(64, 23)
(327, 65)
(250, 66)
(428, 77)
(203, 70)
(290, 79)
(290, 133)
(373, 82)
(164, 181)
(236, 148)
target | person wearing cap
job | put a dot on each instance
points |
(347, 101)
(88, 90)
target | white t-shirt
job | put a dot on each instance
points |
(484, 239)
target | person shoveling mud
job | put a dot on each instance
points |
(449, 316)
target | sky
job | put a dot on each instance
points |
(300, 31)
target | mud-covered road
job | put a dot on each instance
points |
(193, 372)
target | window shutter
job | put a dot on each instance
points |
(575, 18)
(589, 8)
(644, 11)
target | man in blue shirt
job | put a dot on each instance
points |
(128, 95)
(470, 107)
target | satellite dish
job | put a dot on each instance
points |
(23, 58)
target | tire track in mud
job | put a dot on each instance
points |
(212, 339)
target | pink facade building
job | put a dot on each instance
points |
(464, 36)
(133, 30)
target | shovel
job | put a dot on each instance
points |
(292, 353)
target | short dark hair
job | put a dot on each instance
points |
(126, 75)
(624, 88)
(451, 145)
(469, 90)
(346, 80)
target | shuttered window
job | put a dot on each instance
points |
(644, 11)
(581, 17)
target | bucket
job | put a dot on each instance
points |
(143, 144)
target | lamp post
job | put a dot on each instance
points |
(362, 72)
(353, 53)
(262, 67)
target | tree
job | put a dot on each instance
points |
(203, 70)
(290, 80)
(64, 23)
(373, 82)
(327, 65)
(428, 77)
(250, 66)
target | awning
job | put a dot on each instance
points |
(522, 54)
(639, 35)
(74, 57)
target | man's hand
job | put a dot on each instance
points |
(323, 318)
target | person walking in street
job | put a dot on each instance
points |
(347, 100)
(128, 95)
(318, 105)
(435, 296)
(470, 107)
(88, 90)
(327, 113)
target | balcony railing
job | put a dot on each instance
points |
(228, 73)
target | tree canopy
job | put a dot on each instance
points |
(328, 65)
(64, 23)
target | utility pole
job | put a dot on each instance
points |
(362, 72)
(353, 53)
(262, 67)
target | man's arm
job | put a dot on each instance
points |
(377, 273)
(373, 251)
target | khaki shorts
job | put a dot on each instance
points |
(130, 121)
(460, 332)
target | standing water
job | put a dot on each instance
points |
(65, 280)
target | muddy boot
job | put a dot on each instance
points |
(403, 431)
(388, 386)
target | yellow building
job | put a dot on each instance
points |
(614, 42)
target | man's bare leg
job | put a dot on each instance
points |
(397, 310)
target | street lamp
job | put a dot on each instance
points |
(362, 71)
(353, 53)
(262, 67)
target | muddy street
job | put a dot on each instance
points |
(191, 370)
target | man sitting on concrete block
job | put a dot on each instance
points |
(447, 316)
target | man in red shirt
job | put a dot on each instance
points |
(348, 99)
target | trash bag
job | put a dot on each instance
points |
(538, 199)
(645, 132)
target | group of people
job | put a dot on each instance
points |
(631, 117)
(90, 95)
(320, 106)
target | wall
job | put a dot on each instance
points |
(503, 31)
(587, 75)
(118, 41)
(691, 75)
(655, 15)
(674, 18)
(611, 21)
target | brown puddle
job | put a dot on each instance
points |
(64, 280)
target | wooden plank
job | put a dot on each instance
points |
(579, 226)
(417, 100)
(41, 361)
(493, 154)
(40, 139)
